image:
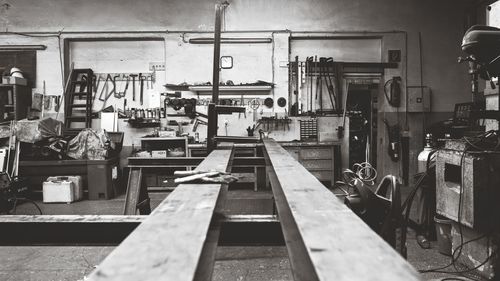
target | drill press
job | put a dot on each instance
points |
(482, 45)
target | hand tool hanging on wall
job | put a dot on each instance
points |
(291, 91)
(269, 102)
(281, 102)
(109, 78)
(133, 85)
(141, 97)
(126, 86)
(242, 103)
(117, 94)
(394, 140)
(325, 74)
(319, 87)
(304, 81)
(315, 70)
(297, 71)
(310, 62)
(331, 87)
(99, 78)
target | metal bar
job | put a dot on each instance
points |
(170, 161)
(217, 38)
(212, 114)
(236, 139)
(322, 235)
(211, 127)
(249, 161)
(111, 230)
(134, 184)
(21, 230)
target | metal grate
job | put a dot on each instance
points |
(308, 129)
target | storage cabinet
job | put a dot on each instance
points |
(319, 159)
(163, 179)
(15, 101)
(172, 147)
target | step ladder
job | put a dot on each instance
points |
(78, 101)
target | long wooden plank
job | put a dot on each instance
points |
(171, 243)
(326, 240)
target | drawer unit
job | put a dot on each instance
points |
(317, 164)
(323, 175)
(317, 159)
(316, 153)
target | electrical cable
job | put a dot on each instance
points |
(361, 171)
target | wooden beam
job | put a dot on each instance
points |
(325, 239)
(176, 241)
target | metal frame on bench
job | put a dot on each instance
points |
(325, 240)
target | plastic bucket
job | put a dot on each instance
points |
(443, 230)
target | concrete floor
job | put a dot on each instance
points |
(254, 263)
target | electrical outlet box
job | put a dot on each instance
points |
(156, 66)
(419, 99)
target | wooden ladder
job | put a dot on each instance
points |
(79, 89)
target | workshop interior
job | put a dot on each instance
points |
(249, 140)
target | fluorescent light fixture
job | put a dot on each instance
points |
(22, 47)
(261, 40)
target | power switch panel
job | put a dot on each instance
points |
(419, 99)
(156, 66)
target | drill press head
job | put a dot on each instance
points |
(482, 44)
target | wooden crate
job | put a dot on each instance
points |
(476, 252)
(480, 177)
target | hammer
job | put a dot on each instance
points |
(141, 79)
(133, 85)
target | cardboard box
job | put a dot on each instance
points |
(58, 191)
(167, 134)
(159, 154)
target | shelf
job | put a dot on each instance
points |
(237, 88)
(177, 87)
(162, 138)
(144, 123)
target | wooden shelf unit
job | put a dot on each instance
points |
(14, 98)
